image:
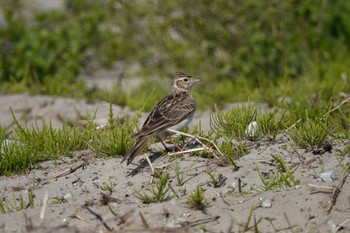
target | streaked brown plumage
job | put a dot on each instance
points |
(174, 111)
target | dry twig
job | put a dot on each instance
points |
(198, 139)
(43, 208)
(68, 171)
(337, 107)
(337, 188)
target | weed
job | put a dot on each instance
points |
(181, 176)
(3, 133)
(284, 177)
(246, 225)
(17, 204)
(339, 121)
(244, 122)
(159, 193)
(233, 152)
(233, 122)
(58, 200)
(30, 145)
(196, 199)
(341, 155)
(108, 187)
(31, 198)
(216, 180)
(271, 122)
(47, 51)
(310, 135)
(112, 141)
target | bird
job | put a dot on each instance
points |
(174, 111)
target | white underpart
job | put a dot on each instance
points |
(178, 127)
(182, 124)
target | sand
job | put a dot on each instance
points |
(78, 182)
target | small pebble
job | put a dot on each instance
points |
(66, 196)
(328, 176)
(266, 203)
(332, 225)
(234, 185)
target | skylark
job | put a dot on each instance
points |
(174, 111)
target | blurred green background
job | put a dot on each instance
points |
(243, 50)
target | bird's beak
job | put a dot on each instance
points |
(197, 80)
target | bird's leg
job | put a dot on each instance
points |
(150, 165)
(175, 144)
(166, 148)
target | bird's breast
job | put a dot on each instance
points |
(182, 124)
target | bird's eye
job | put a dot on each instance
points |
(185, 80)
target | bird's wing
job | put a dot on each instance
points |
(170, 111)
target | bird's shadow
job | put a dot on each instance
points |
(143, 163)
(157, 154)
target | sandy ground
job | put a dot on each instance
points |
(295, 209)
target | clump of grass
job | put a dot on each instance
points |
(182, 175)
(284, 177)
(108, 187)
(310, 135)
(30, 145)
(216, 180)
(112, 140)
(196, 200)
(233, 152)
(234, 121)
(17, 204)
(58, 200)
(271, 122)
(159, 193)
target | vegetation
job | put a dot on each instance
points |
(17, 204)
(31, 144)
(283, 178)
(295, 49)
(312, 134)
(293, 57)
(196, 200)
(159, 193)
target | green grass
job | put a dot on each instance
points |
(159, 193)
(237, 122)
(238, 56)
(282, 178)
(109, 187)
(196, 200)
(111, 141)
(310, 134)
(17, 204)
(28, 145)
(234, 121)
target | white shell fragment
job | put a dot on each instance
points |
(252, 131)
(266, 203)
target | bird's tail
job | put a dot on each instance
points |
(131, 154)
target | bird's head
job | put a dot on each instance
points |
(184, 81)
